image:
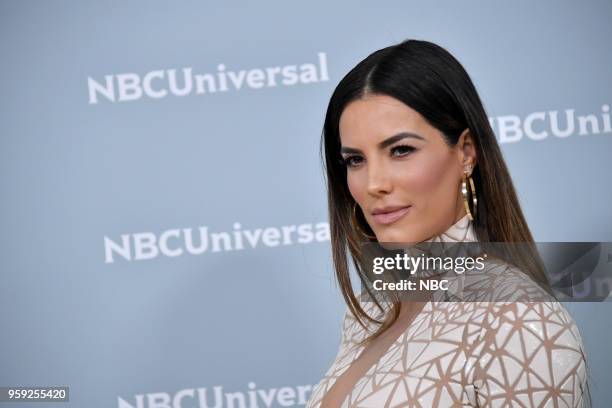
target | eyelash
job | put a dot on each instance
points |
(346, 161)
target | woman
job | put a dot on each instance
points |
(410, 157)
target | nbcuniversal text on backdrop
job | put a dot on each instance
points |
(207, 397)
(162, 83)
(178, 241)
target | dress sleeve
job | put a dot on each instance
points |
(531, 356)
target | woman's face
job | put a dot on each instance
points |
(400, 171)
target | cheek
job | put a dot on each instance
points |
(431, 183)
(356, 186)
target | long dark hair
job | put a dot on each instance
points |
(427, 78)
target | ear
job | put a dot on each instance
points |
(467, 151)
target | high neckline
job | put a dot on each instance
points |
(462, 230)
(443, 244)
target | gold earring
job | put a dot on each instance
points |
(356, 224)
(467, 175)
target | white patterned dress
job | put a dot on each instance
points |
(468, 354)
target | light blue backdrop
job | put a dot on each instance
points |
(107, 286)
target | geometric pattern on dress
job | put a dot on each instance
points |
(469, 354)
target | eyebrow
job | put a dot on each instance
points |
(387, 142)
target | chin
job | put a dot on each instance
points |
(395, 236)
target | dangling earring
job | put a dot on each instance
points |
(356, 224)
(467, 175)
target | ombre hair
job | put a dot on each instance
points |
(432, 82)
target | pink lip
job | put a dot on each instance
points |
(391, 217)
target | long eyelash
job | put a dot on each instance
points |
(345, 161)
(410, 148)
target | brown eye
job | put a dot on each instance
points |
(352, 161)
(402, 150)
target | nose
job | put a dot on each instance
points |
(379, 179)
